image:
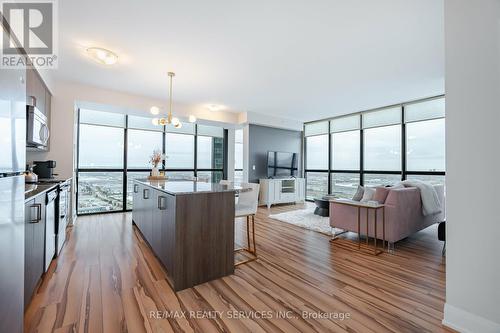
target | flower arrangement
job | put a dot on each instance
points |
(156, 158)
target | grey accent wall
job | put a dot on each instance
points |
(263, 139)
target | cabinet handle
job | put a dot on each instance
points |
(136, 188)
(38, 213)
(145, 194)
(161, 203)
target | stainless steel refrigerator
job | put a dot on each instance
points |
(12, 164)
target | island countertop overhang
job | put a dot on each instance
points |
(182, 187)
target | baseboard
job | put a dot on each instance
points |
(466, 322)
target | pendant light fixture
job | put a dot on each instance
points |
(170, 119)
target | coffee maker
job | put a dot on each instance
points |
(44, 169)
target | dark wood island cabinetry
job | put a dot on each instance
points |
(190, 227)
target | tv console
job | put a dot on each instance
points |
(285, 190)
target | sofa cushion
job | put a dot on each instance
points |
(359, 193)
(368, 194)
(381, 194)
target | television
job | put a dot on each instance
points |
(281, 164)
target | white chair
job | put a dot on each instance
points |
(247, 207)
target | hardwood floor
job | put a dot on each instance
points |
(107, 280)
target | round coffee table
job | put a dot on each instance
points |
(322, 207)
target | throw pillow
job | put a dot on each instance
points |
(368, 194)
(381, 194)
(359, 194)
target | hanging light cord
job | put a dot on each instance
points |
(171, 75)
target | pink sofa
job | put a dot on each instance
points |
(403, 215)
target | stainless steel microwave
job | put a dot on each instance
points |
(37, 132)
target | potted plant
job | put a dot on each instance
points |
(155, 160)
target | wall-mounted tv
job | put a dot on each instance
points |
(281, 164)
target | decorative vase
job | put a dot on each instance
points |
(155, 172)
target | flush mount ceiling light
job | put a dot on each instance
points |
(155, 110)
(102, 56)
(215, 107)
(170, 119)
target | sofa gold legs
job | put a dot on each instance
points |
(248, 249)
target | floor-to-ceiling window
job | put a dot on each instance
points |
(377, 147)
(210, 153)
(345, 155)
(238, 155)
(114, 149)
(316, 161)
(382, 164)
(425, 141)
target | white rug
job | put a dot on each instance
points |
(306, 219)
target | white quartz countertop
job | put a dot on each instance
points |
(177, 187)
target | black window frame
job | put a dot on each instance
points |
(404, 173)
(124, 171)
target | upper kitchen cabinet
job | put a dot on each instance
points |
(36, 87)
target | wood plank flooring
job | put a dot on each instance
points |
(107, 280)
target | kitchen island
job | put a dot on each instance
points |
(189, 225)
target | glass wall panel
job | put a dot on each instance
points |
(141, 145)
(431, 109)
(433, 179)
(143, 123)
(316, 185)
(317, 152)
(348, 123)
(238, 149)
(187, 128)
(382, 148)
(384, 117)
(345, 150)
(100, 192)
(130, 186)
(214, 131)
(316, 128)
(180, 175)
(238, 176)
(210, 176)
(100, 147)
(210, 153)
(344, 185)
(102, 118)
(425, 145)
(372, 180)
(179, 149)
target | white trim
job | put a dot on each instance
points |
(466, 322)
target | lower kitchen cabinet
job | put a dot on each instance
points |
(191, 233)
(34, 245)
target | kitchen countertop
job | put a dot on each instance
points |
(178, 187)
(33, 190)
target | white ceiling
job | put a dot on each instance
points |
(302, 59)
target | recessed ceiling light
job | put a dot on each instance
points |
(215, 107)
(154, 110)
(102, 56)
(192, 119)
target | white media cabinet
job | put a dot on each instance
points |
(275, 191)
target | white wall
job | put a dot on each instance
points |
(270, 121)
(472, 33)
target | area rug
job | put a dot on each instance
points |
(306, 219)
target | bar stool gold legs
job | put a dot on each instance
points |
(248, 249)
